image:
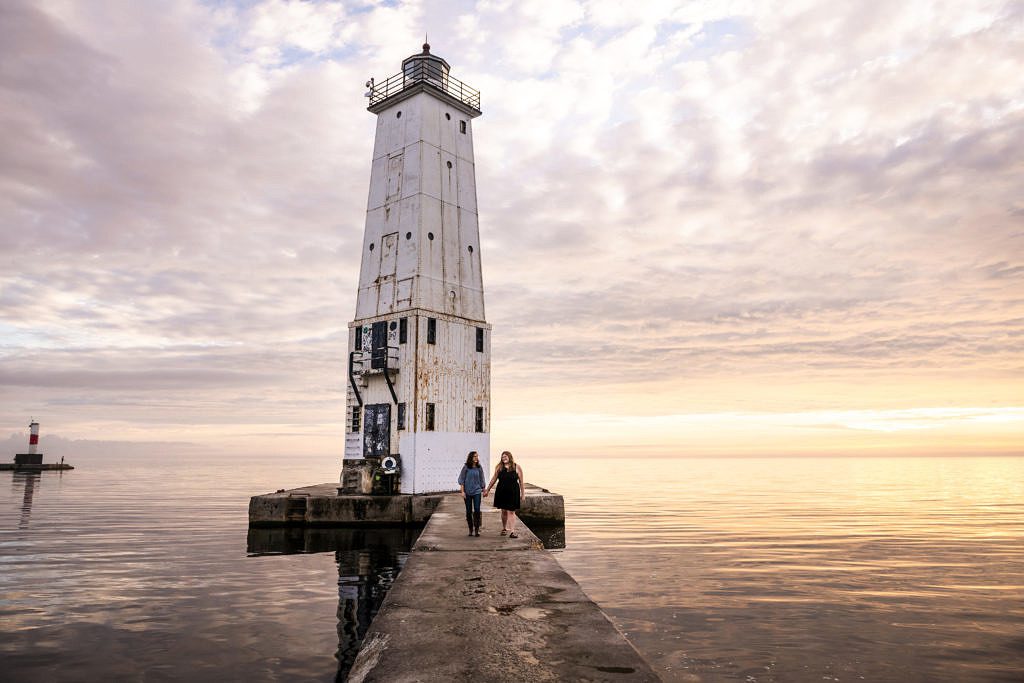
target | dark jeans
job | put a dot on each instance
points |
(472, 502)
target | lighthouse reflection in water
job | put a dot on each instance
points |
(369, 560)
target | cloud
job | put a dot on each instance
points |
(671, 194)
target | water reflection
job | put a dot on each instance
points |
(369, 561)
(291, 540)
(28, 482)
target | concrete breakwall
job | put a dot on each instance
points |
(44, 467)
(323, 505)
(490, 608)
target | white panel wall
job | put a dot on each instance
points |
(430, 167)
(451, 374)
(413, 178)
(412, 152)
(463, 142)
(439, 459)
(467, 185)
(449, 177)
(431, 119)
(448, 128)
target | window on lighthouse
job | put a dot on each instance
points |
(429, 417)
(431, 330)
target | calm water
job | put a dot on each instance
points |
(804, 570)
(136, 569)
(728, 570)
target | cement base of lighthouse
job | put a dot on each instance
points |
(45, 467)
(324, 505)
(32, 462)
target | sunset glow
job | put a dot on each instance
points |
(728, 228)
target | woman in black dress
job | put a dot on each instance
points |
(510, 492)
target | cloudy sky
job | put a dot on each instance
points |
(708, 228)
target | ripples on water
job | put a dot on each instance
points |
(804, 570)
(719, 570)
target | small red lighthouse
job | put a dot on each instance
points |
(33, 438)
(33, 460)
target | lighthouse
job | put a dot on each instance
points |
(33, 438)
(418, 362)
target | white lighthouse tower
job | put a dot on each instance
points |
(419, 363)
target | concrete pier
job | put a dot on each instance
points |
(40, 467)
(324, 505)
(490, 608)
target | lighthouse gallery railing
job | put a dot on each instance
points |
(429, 75)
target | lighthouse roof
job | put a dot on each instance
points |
(427, 58)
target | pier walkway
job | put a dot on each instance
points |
(490, 608)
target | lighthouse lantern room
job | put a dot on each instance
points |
(419, 359)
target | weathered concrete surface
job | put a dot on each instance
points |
(542, 507)
(491, 609)
(322, 505)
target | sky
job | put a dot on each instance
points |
(707, 228)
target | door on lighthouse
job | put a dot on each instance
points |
(379, 347)
(377, 430)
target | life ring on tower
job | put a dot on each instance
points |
(389, 464)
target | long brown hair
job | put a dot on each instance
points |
(511, 462)
(469, 460)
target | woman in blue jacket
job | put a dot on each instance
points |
(471, 485)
